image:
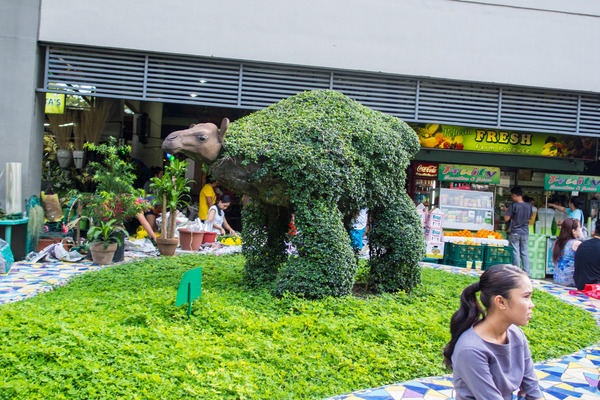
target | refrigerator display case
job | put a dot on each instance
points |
(424, 183)
(466, 209)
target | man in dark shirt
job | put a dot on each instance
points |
(518, 213)
(587, 260)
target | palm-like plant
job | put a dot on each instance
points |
(172, 189)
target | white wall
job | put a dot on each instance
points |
(543, 43)
(21, 109)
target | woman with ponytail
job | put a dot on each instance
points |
(488, 354)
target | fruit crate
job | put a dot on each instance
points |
(497, 255)
(458, 254)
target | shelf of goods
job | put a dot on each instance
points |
(467, 209)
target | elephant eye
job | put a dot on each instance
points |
(201, 138)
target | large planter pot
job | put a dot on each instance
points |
(78, 158)
(209, 237)
(190, 240)
(101, 255)
(120, 251)
(167, 247)
(64, 157)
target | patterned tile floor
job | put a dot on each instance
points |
(572, 377)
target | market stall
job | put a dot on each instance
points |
(466, 206)
(549, 220)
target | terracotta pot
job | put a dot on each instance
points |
(190, 240)
(167, 247)
(209, 237)
(101, 255)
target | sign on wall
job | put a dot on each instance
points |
(55, 103)
(571, 183)
(426, 170)
(459, 138)
(468, 173)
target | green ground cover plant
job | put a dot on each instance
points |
(116, 333)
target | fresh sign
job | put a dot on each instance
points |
(458, 138)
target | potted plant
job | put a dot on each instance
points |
(172, 190)
(115, 197)
(104, 242)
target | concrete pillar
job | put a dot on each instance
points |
(21, 108)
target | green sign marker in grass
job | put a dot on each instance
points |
(190, 288)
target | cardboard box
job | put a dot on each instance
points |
(433, 235)
(434, 250)
(436, 218)
(422, 213)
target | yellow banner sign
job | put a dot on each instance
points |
(55, 103)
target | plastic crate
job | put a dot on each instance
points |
(458, 254)
(497, 255)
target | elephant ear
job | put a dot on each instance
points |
(223, 129)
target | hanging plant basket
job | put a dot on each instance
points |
(78, 158)
(64, 157)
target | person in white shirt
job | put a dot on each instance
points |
(216, 216)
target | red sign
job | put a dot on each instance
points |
(426, 170)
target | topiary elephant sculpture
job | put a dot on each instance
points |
(320, 156)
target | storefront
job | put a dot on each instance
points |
(477, 167)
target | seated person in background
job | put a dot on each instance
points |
(216, 216)
(563, 252)
(144, 223)
(151, 214)
(587, 260)
(155, 172)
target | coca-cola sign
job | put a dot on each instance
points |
(426, 170)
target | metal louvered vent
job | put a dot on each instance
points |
(589, 115)
(228, 83)
(263, 85)
(395, 96)
(99, 72)
(458, 103)
(192, 81)
(538, 111)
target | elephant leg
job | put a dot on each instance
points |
(397, 246)
(263, 236)
(324, 264)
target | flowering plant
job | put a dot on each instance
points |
(106, 206)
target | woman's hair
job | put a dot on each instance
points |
(225, 198)
(497, 280)
(577, 202)
(566, 234)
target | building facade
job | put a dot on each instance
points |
(517, 65)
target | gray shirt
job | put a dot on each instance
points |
(519, 214)
(490, 371)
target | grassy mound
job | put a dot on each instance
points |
(116, 333)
